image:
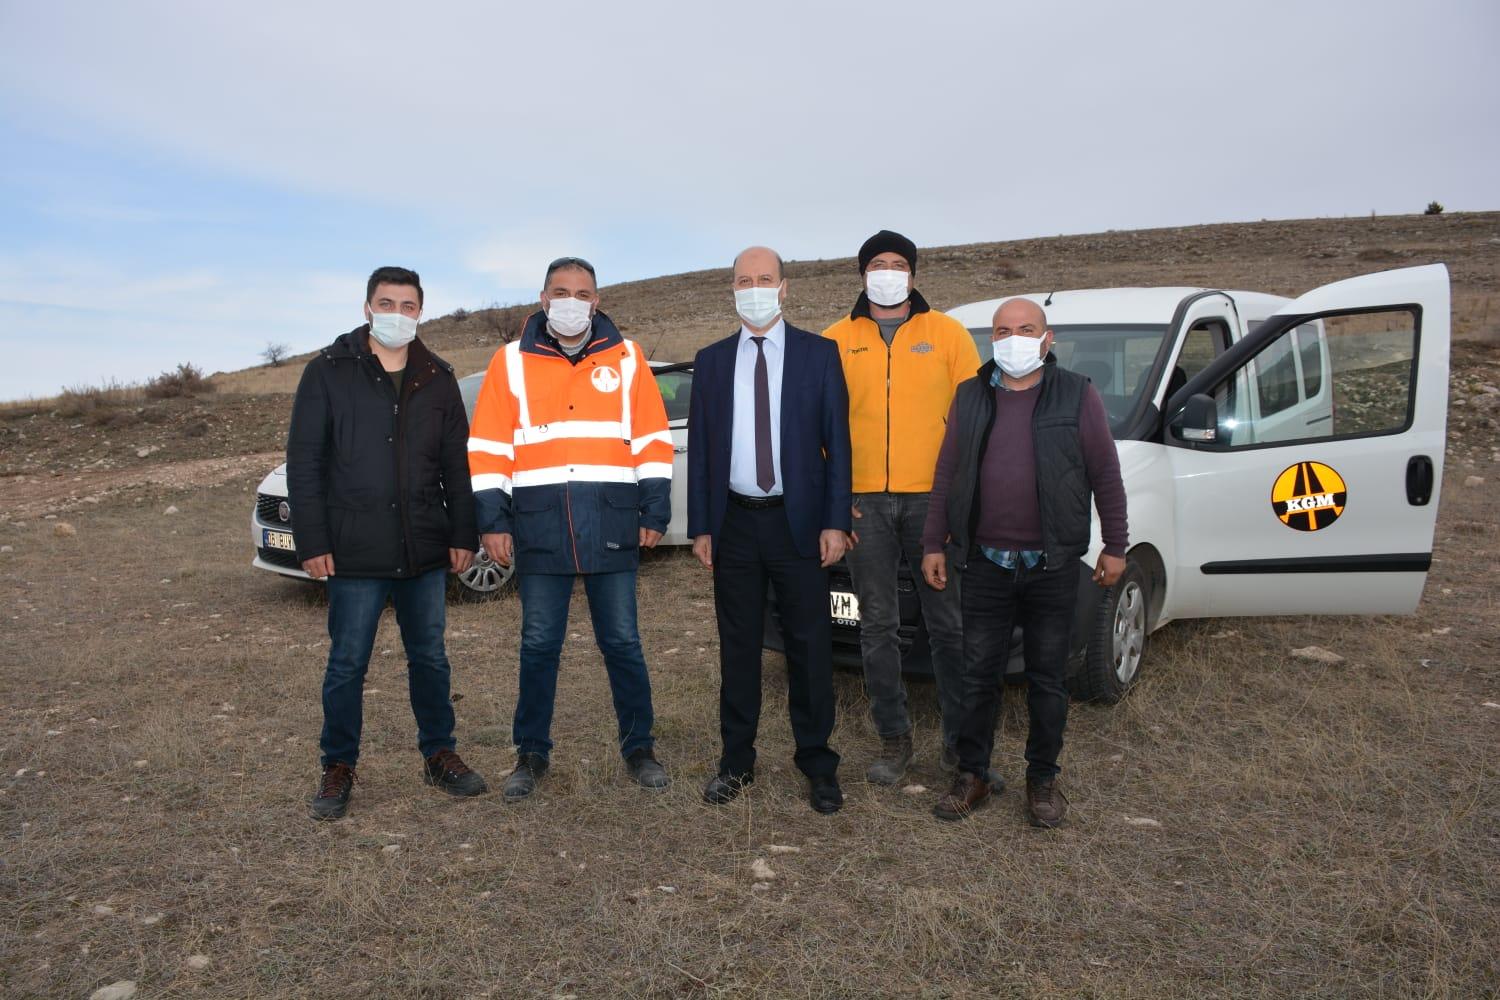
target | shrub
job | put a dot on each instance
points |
(82, 400)
(187, 380)
(275, 354)
(1434, 208)
(504, 322)
(459, 315)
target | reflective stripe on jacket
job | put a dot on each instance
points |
(899, 395)
(571, 457)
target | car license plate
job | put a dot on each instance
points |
(280, 540)
(844, 607)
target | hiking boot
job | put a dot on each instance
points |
(1046, 805)
(723, 788)
(332, 798)
(968, 793)
(446, 770)
(948, 762)
(530, 768)
(895, 758)
(646, 769)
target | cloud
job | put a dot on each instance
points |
(104, 319)
(229, 179)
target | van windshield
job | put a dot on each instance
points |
(1115, 357)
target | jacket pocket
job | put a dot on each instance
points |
(430, 523)
(619, 516)
(537, 521)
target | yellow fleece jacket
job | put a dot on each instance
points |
(899, 396)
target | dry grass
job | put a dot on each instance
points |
(76, 401)
(1325, 831)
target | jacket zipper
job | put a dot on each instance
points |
(401, 493)
(568, 491)
(887, 403)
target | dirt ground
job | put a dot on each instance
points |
(1245, 823)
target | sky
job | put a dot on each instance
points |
(189, 182)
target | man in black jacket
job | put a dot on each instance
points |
(1026, 454)
(378, 478)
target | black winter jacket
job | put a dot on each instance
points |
(380, 482)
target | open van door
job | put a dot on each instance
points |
(1335, 515)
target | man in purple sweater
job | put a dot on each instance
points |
(1026, 450)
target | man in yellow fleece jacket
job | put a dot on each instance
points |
(902, 362)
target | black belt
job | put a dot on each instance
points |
(755, 503)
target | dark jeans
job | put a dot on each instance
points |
(1042, 602)
(354, 609)
(890, 532)
(755, 547)
(544, 624)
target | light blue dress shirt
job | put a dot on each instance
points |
(742, 445)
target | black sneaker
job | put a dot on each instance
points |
(646, 769)
(446, 770)
(530, 768)
(332, 798)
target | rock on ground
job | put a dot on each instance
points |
(1317, 654)
(122, 990)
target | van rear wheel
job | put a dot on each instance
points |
(1117, 646)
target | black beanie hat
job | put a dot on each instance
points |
(886, 241)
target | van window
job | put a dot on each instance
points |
(1365, 383)
(1312, 359)
(1117, 358)
(1276, 377)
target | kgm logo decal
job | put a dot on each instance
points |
(1309, 496)
(605, 379)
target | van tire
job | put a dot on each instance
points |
(1116, 649)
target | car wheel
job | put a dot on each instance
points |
(485, 579)
(1117, 647)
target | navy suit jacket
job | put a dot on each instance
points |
(815, 456)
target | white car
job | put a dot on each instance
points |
(271, 522)
(1280, 457)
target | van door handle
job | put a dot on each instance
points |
(1419, 481)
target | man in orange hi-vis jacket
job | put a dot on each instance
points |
(571, 463)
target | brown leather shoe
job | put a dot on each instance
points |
(1046, 805)
(968, 793)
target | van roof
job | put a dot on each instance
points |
(1084, 306)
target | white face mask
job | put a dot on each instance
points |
(393, 330)
(887, 287)
(758, 307)
(569, 317)
(1018, 356)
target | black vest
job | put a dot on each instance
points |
(1064, 494)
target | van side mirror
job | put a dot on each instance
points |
(1199, 420)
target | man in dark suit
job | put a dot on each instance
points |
(768, 500)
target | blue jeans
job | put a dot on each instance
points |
(354, 609)
(544, 624)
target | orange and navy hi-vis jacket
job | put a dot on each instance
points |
(899, 395)
(572, 457)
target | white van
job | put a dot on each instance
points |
(1279, 456)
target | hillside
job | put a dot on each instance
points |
(673, 316)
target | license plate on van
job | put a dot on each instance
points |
(844, 607)
(279, 540)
